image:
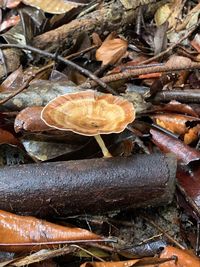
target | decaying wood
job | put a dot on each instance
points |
(88, 186)
(12, 61)
(113, 16)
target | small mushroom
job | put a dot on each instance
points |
(89, 113)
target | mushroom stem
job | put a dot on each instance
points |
(103, 147)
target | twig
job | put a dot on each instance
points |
(161, 54)
(65, 61)
(59, 242)
(136, 72)
(82, 52)
(39, 71)
(185, 96)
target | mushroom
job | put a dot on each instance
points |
(89, 113)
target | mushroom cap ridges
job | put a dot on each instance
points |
(89, 113)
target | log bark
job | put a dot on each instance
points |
(88, 186)
(113, 16)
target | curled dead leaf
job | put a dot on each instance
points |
(111, 50)
(29, 120)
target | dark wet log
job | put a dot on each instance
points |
(88, 186)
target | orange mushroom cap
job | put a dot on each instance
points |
(89, 113)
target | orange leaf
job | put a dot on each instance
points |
(147, 261)
(15, 229)
(176, 123)
(184, 258)
(111, 50)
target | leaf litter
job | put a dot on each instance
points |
(148, 55)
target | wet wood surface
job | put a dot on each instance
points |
(87, 186)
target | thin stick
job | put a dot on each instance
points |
(58, 242)
(65, 61)
(136, 72)
(82, 52)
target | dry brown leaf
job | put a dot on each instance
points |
(96, 39)
(111, 50)
(29, 120)
(177, 107)
(52, 6)
(184, 258)
(15, 229)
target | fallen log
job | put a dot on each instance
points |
(112, 16)
(88, 186)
